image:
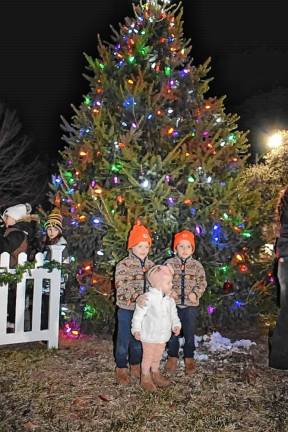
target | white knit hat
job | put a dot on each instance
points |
(18, 211)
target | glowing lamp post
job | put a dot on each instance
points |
(275, 140)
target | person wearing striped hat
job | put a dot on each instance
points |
(54, 236)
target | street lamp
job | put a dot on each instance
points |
(274, 141)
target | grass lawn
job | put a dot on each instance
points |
(73, 389)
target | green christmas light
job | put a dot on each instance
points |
(246, 234)
(225, 216)
(131, 59)
(68, 174)
(89, 311)
(232, 137)
(224, 269)
(144, 51)
(191, 179)
(100, 65)
(87, 100)
(116, 167)
(167, 70)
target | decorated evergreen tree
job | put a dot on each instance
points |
(147, 145)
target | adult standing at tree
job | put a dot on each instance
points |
(279, 341)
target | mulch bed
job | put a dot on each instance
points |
(73, 389)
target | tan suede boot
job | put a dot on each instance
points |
(147, 383)
(190, 366)
(160, 380)
(171, 365)
(135, 371)
(122, 376)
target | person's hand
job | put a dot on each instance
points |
(142, 300)
(137, 335)
(193, 298)
(173, 294)
(176, 330)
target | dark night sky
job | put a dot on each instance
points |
(42, 45)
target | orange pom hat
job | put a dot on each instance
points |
(138, 234)
(184, 235)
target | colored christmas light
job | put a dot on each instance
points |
(116, 167)
(211, 309)
(145, 184)
(167, 70)
(129, 102)
(170, 201)
(89, 311)
(198, 230)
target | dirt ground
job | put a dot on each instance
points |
(73, 389)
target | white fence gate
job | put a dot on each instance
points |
(38, 274)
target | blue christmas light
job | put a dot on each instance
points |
(74, 223)
(193, 211)
(216, 233)
(96, 221)
(149, 116)
(120, 64)
(129, 102)
(184, 72)
(82, 289)
(56, 180)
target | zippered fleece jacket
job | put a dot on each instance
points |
(189, 277)
(130, 280)
(156, 319)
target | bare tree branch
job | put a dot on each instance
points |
(22, 176)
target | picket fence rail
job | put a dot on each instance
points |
(37, 275)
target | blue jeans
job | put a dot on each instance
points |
(188, 318)
(127, 347)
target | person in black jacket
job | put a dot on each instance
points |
(278, 355)
(19, 233)
(18, 236)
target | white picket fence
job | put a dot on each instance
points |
(38, 274)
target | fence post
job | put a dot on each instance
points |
(54, 300)
(4, 264)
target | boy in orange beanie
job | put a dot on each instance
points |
(130, 282)
(189, 283)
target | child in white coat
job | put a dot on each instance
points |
(153, 324)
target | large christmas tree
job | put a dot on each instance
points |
(147, 145)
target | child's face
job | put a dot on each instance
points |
(166, 282)
(161, 279)
(141, 250)
(52, 232)
(184, 249)
(8, 220)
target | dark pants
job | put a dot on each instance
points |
(278, 355)
(188, 318)
(127, 347)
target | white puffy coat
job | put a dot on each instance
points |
(157, 318)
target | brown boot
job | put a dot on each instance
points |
(171, 365)
(160, 380)
(190, 366)
(122, 376)
(135, 371)
(147, 383)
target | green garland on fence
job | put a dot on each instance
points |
(19, 271)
